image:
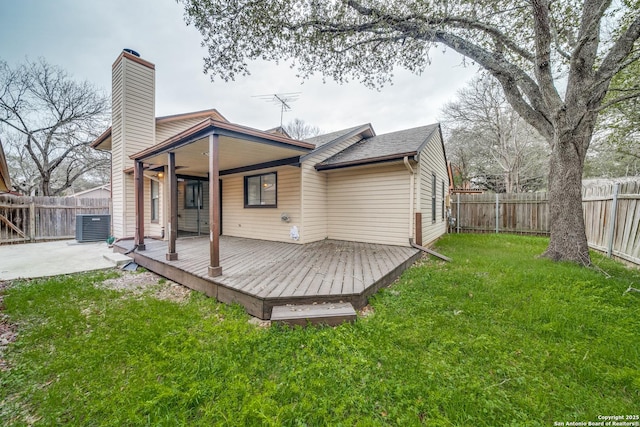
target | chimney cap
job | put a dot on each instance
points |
(132, 52)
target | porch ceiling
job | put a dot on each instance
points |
(193, 159)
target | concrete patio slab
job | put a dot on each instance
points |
(31, 260)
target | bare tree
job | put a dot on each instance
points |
(553, 59)
(298, 129)
(48, 120)
(462, 150)
(619, 126)
(499, 151)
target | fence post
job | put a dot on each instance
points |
(32, 220)
(497, 213)
(614, 213)
(458, 216)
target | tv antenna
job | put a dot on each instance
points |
(282, 99)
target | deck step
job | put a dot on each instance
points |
(117, 259)
(331, 314)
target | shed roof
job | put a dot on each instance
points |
(386, 147)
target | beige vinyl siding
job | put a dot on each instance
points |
(432, 161)
(129, 215)
(168, 129)
(314, 193)
(138, 108)
(117, 156)
(153, 228)
(133, 129)
(262, 223)
(314, 204)
(188, 218)
(369, 204)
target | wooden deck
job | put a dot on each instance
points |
(260, 275)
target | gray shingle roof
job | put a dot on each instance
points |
(321, 140)
(404, 142)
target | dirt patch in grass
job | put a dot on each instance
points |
(366, 311)
(150, 284)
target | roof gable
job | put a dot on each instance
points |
(386, 147)
(103, 142)
(279, 131)
(208, 126)
(327, 138)
(324, 142)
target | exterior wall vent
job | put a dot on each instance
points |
(92, 228)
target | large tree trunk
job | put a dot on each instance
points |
(568, 237)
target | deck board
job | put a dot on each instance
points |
(260, 274)
(267, 279)
(281, 276)
(296, 275)
(352, 275)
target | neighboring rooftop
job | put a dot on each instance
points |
(5, 180)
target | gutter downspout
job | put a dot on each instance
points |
(411, 195)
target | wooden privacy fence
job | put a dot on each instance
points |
(611, 214)
(612, 218)
(30, 219)
(522, 213)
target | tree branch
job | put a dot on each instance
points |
(614, 61)
(542, 68)
(618, 100)
(510, 77)
(402, 24)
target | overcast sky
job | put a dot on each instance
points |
(85, 37)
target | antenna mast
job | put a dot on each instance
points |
(282, 99)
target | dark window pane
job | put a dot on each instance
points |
(260, 190)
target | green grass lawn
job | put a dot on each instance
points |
(497, 337)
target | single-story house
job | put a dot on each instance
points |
(5, 179)
(99, 192)
(197, 174)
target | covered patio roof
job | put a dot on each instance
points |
(241, 148)
(103, 142)
(209, 149)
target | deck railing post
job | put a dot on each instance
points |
(138, 177)
(172, 181)
(214, 207)
(614, 214)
